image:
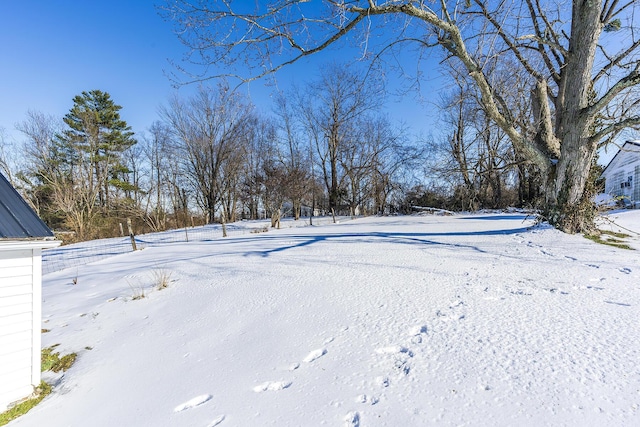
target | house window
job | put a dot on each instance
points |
(618, 184)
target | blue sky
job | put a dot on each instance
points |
(53, 50)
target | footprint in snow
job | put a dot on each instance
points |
(314, 355)
(394, 349)
(382, 381)
(416, 334)
(625, 270)
(448, 317)
(456, 303)
(217, 421)
(196, 401)
(417, 330)
(352, 419)
(272, 386)
(371, 400)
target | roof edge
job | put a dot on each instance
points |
(620, 149)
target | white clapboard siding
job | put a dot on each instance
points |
(5, 321)
(17, 325)
(621, 178)
(15, 272)
(23, 354)
(15, 394)
(17, 287)
(10, 342)
(15, 363)
(20, 318)
(15, 300)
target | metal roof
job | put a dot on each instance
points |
(17, 219)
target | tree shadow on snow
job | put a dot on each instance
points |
(390, 237)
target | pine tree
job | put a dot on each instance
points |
(97, 137)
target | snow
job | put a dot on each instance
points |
(397, 321)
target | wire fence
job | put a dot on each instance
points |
(79, 254)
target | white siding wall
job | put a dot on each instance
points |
(20, 314)
(625, 165)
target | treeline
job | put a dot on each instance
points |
(213, 157)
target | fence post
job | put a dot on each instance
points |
(133, 238)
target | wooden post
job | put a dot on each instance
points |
(185, 213)
(133, 238)
(121, 230)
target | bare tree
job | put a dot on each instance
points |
(258, 151)
(208, 129)
(57, 178)
(477, 157)
(578, 102)
(367, 160)
(292, 153)
(157, 150)
(331, 108)
(5, 163)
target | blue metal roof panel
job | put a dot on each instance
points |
(17, 219)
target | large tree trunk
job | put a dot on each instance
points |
(567, 206)
(297, 203)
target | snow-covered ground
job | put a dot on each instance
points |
(397, 321)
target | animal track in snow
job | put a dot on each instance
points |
(402, 366)
(272, 386)
(196, 401)
(452, 313)
(456, 303)
(352, 419)
(416, 333)
(363, 398)
(448, 317)
(521, 292)
(625, 270)
(314, 355)
(217, 421)
(556, 290)
(394, 349)
(417, 330)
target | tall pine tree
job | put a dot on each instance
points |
(97, 137)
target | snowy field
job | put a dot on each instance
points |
(475, 320)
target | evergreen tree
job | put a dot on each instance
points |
(97, 137)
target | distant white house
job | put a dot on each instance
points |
(22, 237)
(622, 174)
